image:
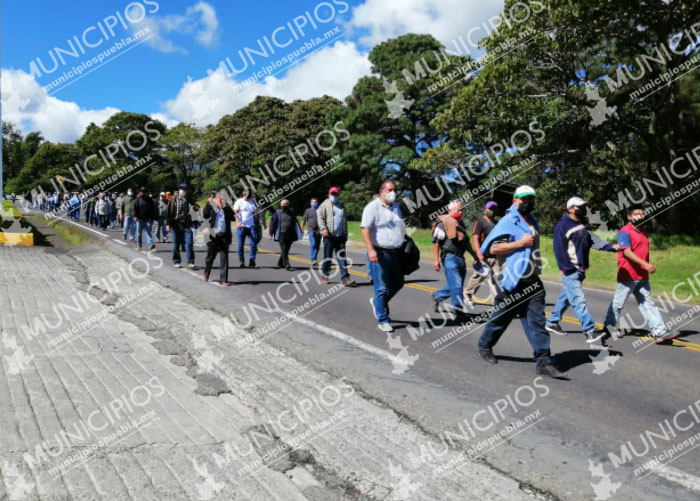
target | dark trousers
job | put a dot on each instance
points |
(217, 246)
(525, 302)
(335, 245)
(286, 241)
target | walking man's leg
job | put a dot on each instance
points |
(612, 318)
(240, 241)
(189, 246)
(648, 309)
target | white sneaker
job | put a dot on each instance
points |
(371, 303)
(385, 327)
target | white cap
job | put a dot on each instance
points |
(575, 202)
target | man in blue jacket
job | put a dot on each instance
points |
(520, 291)
(573, 242)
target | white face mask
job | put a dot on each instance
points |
(130, 193)
(182, 193)
(390, 197)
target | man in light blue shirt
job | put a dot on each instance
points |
(384, 231)
(333, 225)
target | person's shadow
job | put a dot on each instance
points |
(571, 359)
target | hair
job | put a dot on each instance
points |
(386, 183)
(453, 204)
(633, 208)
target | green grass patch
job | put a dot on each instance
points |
(676, 259)
(70, 233)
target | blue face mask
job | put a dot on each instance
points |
(333, 198)
(314, 204)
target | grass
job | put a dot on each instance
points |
(676, 258)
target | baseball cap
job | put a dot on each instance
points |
(183, 186)
(334, 189)
(490, 204)
(575, 202)
(524, 191)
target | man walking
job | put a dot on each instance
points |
(310, 220)
(573, 242)
(481, 229)
(220, 216)
(633, 269)
(128, 215)
(161, 214)
(521, 292)
(180, 223)
(333, 225)
(144, 212)
(384, 231)
(285, 229)
(451, 241)
(245, 210)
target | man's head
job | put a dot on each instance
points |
(183, 189)
(245, 195)
(212, 194)
(454, 209)
(334, 194)
(524, 199)
(142, 191)
(314, 202)
(162, 194)
(130, 192)
(284, 204)
(635, 214)
(218, 199)
(576, 207)
(490, 208)
(387, 192)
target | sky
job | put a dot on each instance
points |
(196, 61)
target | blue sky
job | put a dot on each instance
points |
(166, 75)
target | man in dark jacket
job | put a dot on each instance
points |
(220, 216)
(285, 229)
(179, 220)
(573, 242)
(144, 212)
(128, 215)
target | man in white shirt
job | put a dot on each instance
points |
(383, 231)
(245, 210)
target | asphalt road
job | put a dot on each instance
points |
(561, 450)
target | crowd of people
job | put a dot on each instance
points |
(505, 253)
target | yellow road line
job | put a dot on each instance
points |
(426, 288)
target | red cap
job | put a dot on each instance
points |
(334, 189)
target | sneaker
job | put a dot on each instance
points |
(123, 236)
(614, 332)
(314, 265)
(594, 335)
(325, 281)
(139, 248)
(347, 282)
(153, 246)
(555, 328)
(289, 268)
(550, 370)
(371, 303)
(223, 284)
(191, 266)
(242, 265)
(177, 265)
(665, 336)
(385, 327)
(206, 277)
(435, 303)
(252, 264)
(488, 356)
(468, 302)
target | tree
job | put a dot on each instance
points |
(181, 148)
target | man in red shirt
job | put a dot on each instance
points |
(633, 269)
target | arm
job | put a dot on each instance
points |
(370, 247)
(504, 248)
(475, 244)
(602, 245)
(303, 221)
(638, 260)
(436, 257)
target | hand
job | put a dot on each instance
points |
(325, 233)
(528, 240)
(436, 265)
(167, 228)
(480, 256)
(616, 247)
(239, 225)
(650, 267)
(373, 256)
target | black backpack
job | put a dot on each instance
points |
(409, 256)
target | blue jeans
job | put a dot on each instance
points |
(144, 225)
(642, 293)
(572, 295)
(527, 303)
(387, 279)
(241, 234)
(455, 271)
(182, 235)
(161, 231)
(314, 245)
(130, 227)
(337, 245)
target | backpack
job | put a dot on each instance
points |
(409, 256)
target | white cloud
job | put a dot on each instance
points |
(200, 20)
(27, 104)
(446, 20)
(332, 71)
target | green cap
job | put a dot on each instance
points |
(524, 191)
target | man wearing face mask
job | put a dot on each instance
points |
(310, 220)
(573, 241)
(180, 222)
(521, 292)
(333, 224)
(128, 215)
(451, 242)
(285, 229)
(480, 231)
(383, 231)
(245, 209)
(633, 269)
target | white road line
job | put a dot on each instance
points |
(687, 480)
(104, 235)
(119, 241)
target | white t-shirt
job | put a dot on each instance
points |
(386, 226)
(245, 210)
